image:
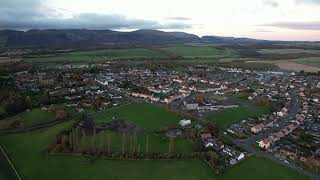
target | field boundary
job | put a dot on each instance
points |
(32, 128)
(11, 164)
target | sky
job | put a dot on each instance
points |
(262, 19)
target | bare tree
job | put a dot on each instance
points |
(147, 145)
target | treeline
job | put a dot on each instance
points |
(104, 144)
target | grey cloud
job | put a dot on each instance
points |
(307, 1)
(312, 25)
(262, 31)
(34, 14)
(179, 18)
(271, 3)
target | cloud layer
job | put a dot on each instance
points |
(271, 3)
(33, 14)
(312, 25)
(308, 1)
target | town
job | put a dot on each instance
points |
(283, 121)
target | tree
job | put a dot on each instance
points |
(109, 143)
(45, 99)
(147, 145)
(61, 115)
(94, 140)
(28, 102)
(171, 145)
(123, 143)
(200, 98)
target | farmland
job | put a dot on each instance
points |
(207, 53)
(288, 51)
(296, 65)
(311, 61)
(27, 152)
(201, 52)
(97, 56)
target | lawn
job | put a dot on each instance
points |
(148, 116)
(200, 51)
(227, 117)
(27, 152)
(262, 169)
(97, 56)
(29, 118)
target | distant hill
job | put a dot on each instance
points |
(68, 38)
(219, 39)
(53, 38)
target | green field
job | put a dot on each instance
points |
(28, 153)
(288, 51)
(311, 61)
(148, 116)
(98, 56)
(226, 118)
(261, 169)
(201, 52)
(28, 118)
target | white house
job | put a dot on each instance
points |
(184, 122)
(241, 156)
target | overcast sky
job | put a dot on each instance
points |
(264, 19)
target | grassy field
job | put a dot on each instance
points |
(29, 118)
(28, 153)
(97, 56)
(148, 116)
(200, 51)
(312, 61)
(262, 169)
(226, 118)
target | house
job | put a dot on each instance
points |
(240, 157)
(192, 106)
(257, 128)
(184, 122)
(265, 143)
(280, 114)
(206, 136)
